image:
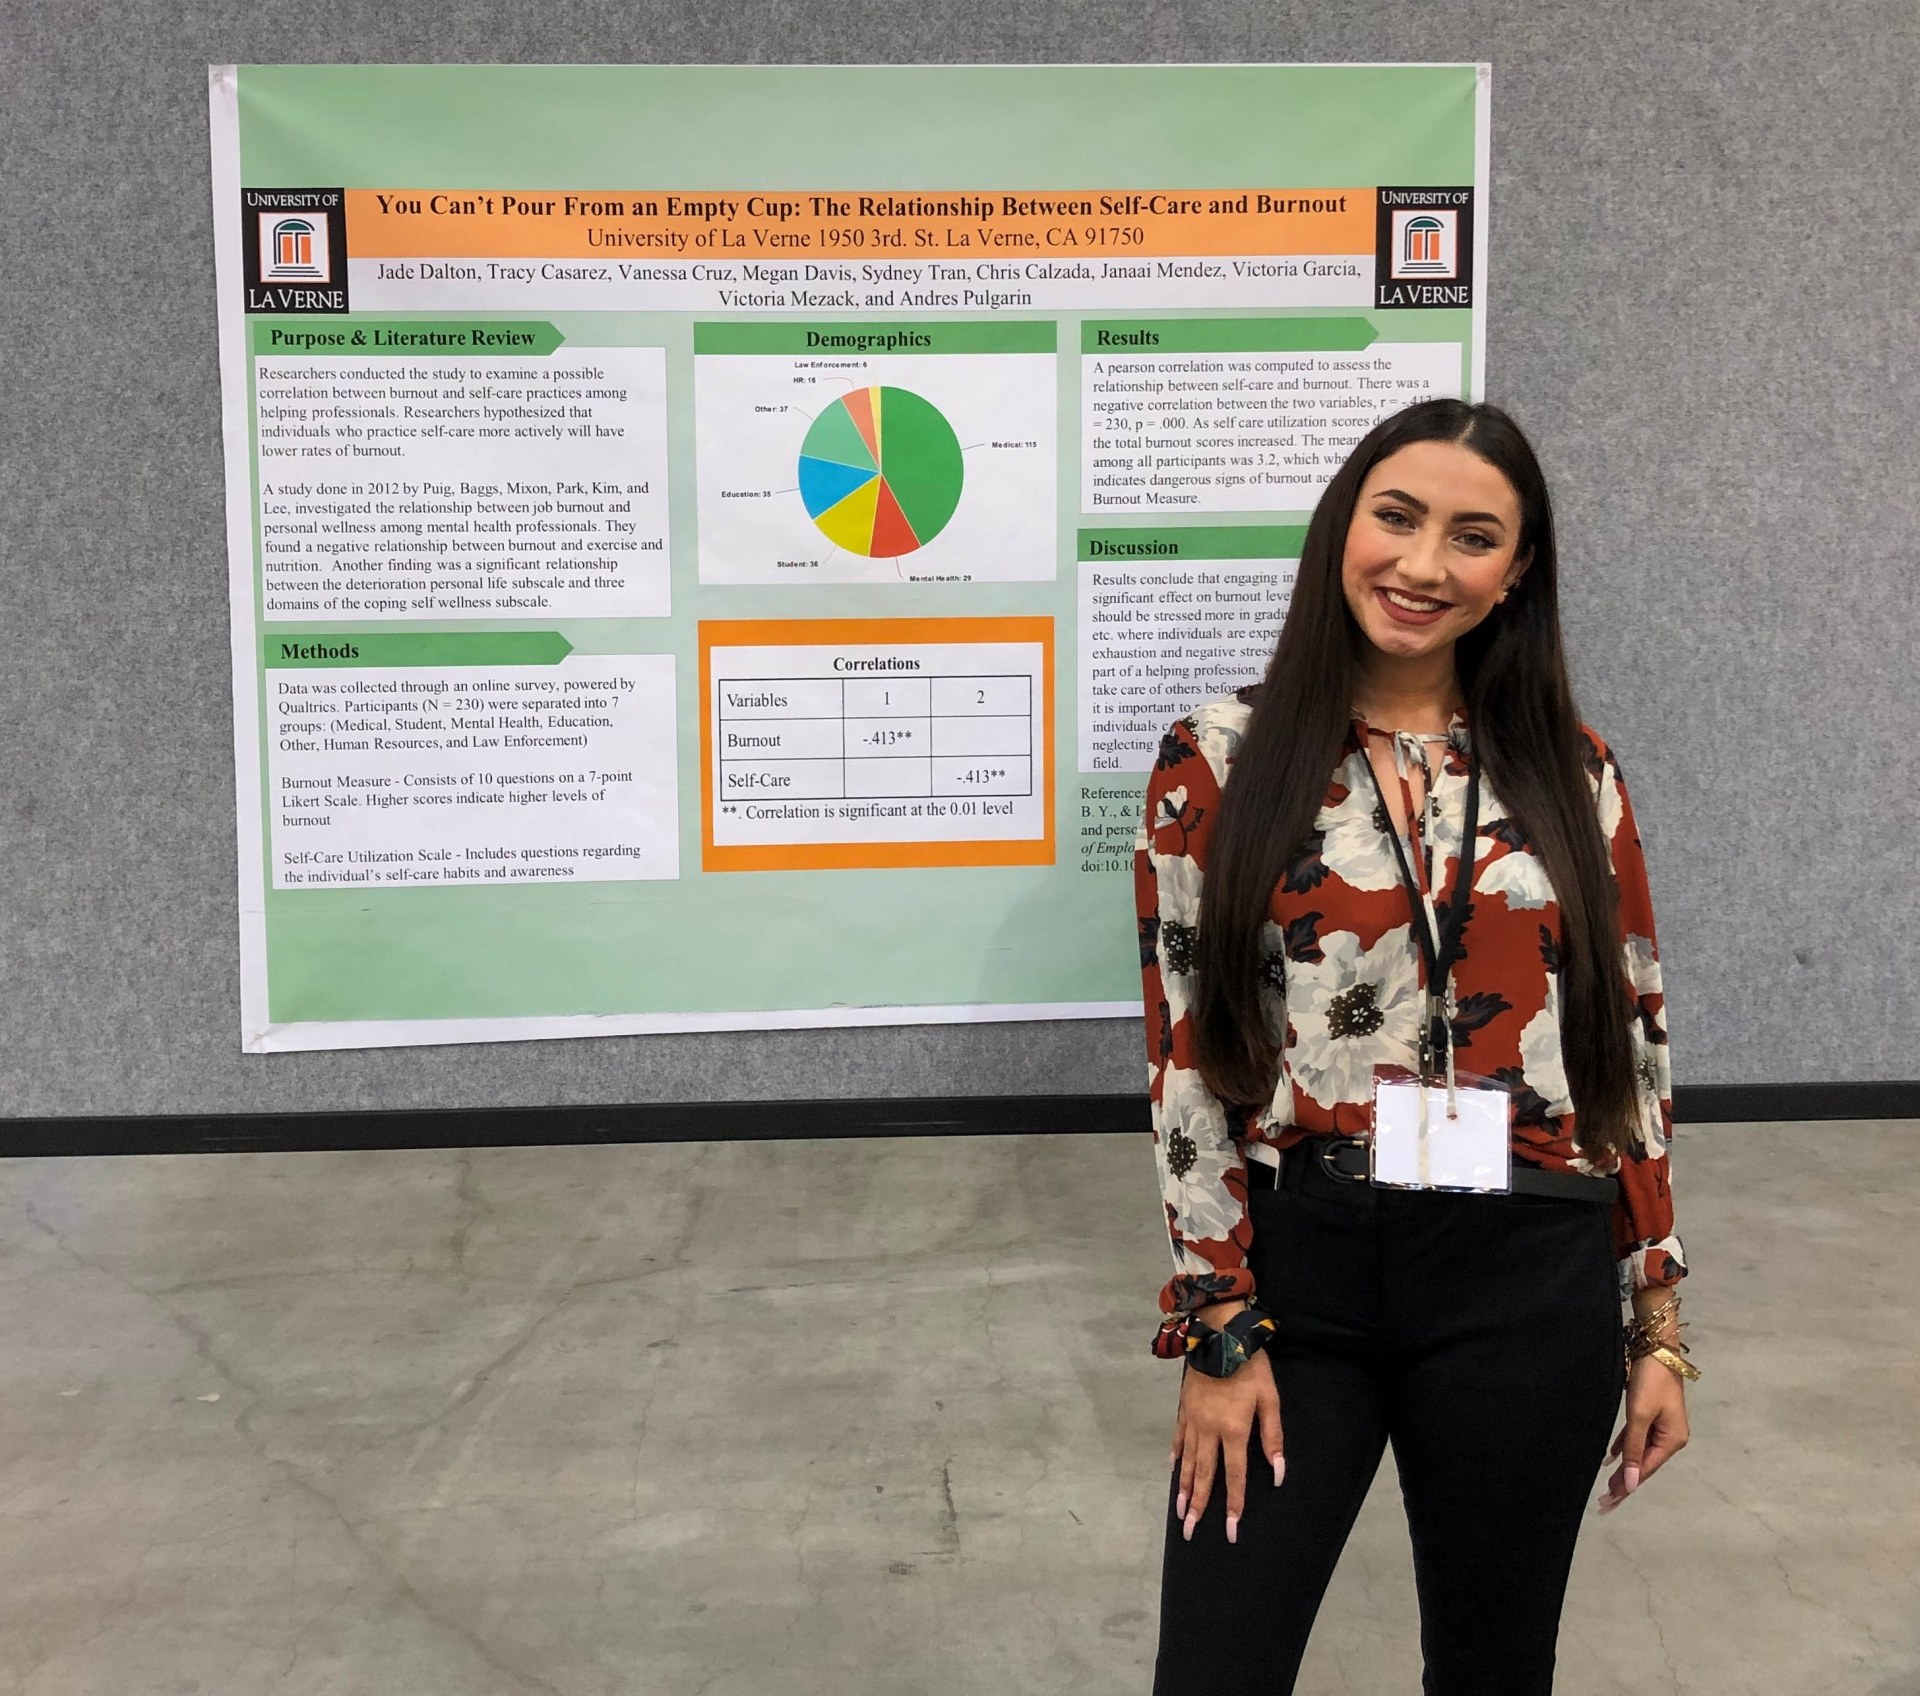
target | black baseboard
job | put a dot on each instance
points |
(730, 1121)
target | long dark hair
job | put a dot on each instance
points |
(1512, 667)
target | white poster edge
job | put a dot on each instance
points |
(307, 1036)
(223, 126)
(1482, 214)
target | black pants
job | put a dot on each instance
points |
(1481, 1336)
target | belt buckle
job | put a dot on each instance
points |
(1325, 1153)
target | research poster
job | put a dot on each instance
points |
(717, 547)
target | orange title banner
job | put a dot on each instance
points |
(856, 225)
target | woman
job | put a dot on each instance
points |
(1334, 1016)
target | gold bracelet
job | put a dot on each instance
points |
(1670, 1305)
(1662, 1352)
(1643, 1337)
(1667, 1357)
(1651, 1332)
(1639, 1343)
(1645, 1328)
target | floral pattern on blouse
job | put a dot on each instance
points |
(1344, 984)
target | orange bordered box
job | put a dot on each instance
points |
(876, 742)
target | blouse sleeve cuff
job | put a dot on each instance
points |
(1189, 1291)
(1653, 1265)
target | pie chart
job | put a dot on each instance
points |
(880, 472)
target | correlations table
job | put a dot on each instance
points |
(868, 738)
(861, 742)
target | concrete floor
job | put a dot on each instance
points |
(449, 1424)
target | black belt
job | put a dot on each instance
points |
(1345, 1159)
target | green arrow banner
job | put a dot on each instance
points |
(1199, 541)
(411, 337)
(1121, 337)
(432, 647)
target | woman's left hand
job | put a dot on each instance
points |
(1656, 1429)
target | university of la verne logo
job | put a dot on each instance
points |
(293, 249)
(1426, 243)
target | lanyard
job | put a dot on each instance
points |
(1439, 952)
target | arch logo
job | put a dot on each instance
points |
(1423, 247)
(296, 249)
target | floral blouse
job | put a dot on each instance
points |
(1341, 940)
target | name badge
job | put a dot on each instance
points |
(1417, 1145)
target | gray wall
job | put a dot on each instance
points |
(1701, 303)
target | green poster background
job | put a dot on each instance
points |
(1041, 939)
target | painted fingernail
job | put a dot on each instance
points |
(1279, 1470)
(1192, 1520)
(1233, 1528)
(1633, 1479)
(1180, 1506)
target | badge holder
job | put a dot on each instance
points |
(1448, 1133)
(1441, 1129)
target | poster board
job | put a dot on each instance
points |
(716, 547)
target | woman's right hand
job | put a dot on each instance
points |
(1216, 1417)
